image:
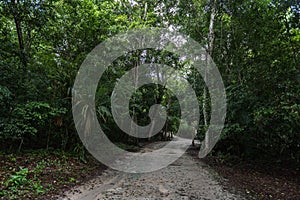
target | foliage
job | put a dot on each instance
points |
(27, 120)
(256, 48)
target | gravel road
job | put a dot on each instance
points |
(186, 178)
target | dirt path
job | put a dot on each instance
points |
(187, 178)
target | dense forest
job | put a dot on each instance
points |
(255, 45)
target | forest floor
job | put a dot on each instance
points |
(51, 175)
(256, 180)
(41, 174)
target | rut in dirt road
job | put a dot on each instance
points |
(186, 178)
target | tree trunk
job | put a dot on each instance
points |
(17, 20)
(134, 117)
(211, 38)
